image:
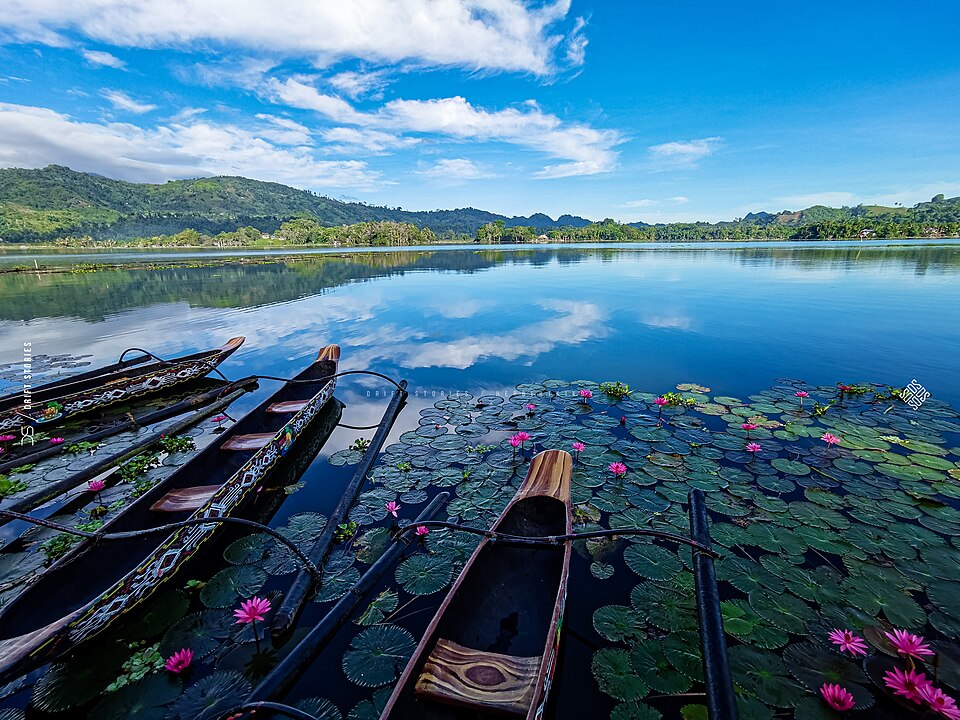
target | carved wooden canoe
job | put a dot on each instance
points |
(491, 649)
(95, 584)
(56, 402)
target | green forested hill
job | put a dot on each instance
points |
(56, 201)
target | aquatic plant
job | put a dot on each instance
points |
(143, 662)
(848, 642)
(179, 661)
(585, 395)
(345, 531)
(578, 447)
(56, 440)
(906, 683)
(908, 644)
(617, 390)
(360, 444)
(801, 394)
(82, 446)
(179, 443)
(96, 486)
(392, 508)
(250, 612)
(618, 469)
(837, 697)
(10, 487)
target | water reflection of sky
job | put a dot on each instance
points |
(734, 320)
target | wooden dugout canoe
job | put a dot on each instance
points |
(491, 649)
(56, 402)
(94, 585)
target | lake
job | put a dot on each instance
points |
(739, 319)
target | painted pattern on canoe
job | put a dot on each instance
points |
(183, 543)
(111, 392)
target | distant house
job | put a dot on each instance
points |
(542, 239)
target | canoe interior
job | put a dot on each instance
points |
(134, 367)
(504, 604)
(86, 571)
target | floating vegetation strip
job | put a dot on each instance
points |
(829, 513)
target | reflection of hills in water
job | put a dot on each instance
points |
(93, 296)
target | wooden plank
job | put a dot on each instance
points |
(254, 441)
(185, 499)
(290, 406)
(472, 678)
(549, 475)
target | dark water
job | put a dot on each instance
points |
(482, 321)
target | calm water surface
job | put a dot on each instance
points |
(733, 318)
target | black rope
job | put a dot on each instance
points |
(358, 427)
(209, 363)
(278, 707)
(558, 539)
(101, 536)
(331, 377)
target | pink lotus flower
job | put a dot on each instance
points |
(623, 419)
(586, 394)
(392, 508)
(578, 446)
(252, 610)
(524, 436)
(830, 439)
(96, 485)
(939, 702)
(179, 661)
(749, 426)
(7, 438)
(218, 419)
(422, 530)
(515, 441)
(837, 697)
(848, 642)
(908, 684)
(802, 394)
(909, 644)
(753, 447)
(660, 401)
(531, 407)
(618, 468)
(56, 441)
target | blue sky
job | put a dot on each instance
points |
(602, 108)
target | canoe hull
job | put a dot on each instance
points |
(166, 558)
(55, 403)
(507, 606)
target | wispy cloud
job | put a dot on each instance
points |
(122, 101)
(684, 153)
(284, 131)
(35, 137)
(650, 202)
(349, 139)
(103, 59)
(294, 92)
(360, 84)
(457, 169)
(491, 35)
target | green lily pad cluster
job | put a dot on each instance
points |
(859, 534)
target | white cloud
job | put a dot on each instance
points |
(685, 153)
(34, 137)
(356, 84)
(187, 113)
(645, 202)
(577, 44)
(295, 93)
(456, 169)
(284, 131)
(122, 101)
(103, 59)
(510, 35)
(586, 150)
(346, 139)
(241, 72)
(680, 199)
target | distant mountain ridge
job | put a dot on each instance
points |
(56, 201)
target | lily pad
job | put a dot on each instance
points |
(651, 562)
(381, 606)
(209, 697)
(617, 623)
(377, 654)
(423, 574)
(144, 700)
(231, 583)
(615, 676)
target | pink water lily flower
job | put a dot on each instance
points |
(909, 644)
(515, 441)
(524, 436)
(802, 393)
(7, 438)
(939, 702)
(179, 661)
(392, 508)
(586, 394)
(618, 468)
(748, 426)
(422, 530)
(252, 610)
(830, 439)
(531, 407)
(907, 684)
(661, 401)
(96, 485)
(218, 418)
(56, 440)
(837, 697)
(578, 446)
(848, 642)
(753, 447)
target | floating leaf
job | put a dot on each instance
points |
(144, 700)
(248, 549)
(320, 709)
(231, 583)
(614, 674)
(78, 681)
(651, 562)
(209, 697)
(381, 606)
(617, 623)
(423, 574)
(377, 654)
(202, 632)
